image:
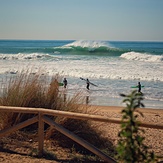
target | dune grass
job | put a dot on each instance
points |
(37, 91)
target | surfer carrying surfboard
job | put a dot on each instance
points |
(139, 86)
(88, 83)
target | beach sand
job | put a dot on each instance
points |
(14, 151)
(153, 137)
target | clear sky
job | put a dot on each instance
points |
(131, 20)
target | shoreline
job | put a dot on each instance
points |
(117, 102)
(119, 108)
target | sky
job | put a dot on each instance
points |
(114, 20)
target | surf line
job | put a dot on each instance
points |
(89, 82)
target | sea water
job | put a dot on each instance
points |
(114, 66)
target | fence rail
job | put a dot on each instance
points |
(41, 118)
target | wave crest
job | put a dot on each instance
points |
(23, 56)
(88, 46)
(142, 57)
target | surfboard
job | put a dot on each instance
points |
(89, 82)
(137, 86)
(60, 84)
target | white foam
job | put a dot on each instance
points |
(107, 69)
(23, 56)
(142, 57)
(88, 67)
(88, 44)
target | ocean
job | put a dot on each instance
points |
(114, 66)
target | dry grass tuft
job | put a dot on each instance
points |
(29, 90)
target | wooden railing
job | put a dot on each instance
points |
(41, 118)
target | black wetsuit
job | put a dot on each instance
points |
(139, 87)
(65, 83)
(87, 84)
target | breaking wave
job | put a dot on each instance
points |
(142, 57)
(85, 46)
(24, 56)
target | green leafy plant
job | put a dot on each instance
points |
(131, 148)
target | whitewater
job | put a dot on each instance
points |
(113, 66)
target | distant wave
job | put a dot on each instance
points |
(86, 47)
(142, 57)
(24, 56)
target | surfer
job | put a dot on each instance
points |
(87, 81)
(139, 87)
(65, 82)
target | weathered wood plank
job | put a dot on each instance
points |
(18, 126)
(73, 115)
(79, 140)
(40, 135)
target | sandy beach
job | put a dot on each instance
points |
(153, 137)
(18, 151)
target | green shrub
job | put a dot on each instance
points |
(131, 148)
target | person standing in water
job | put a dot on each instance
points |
(139, 87)
(65, 82)
(87, 81)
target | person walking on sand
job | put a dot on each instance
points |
(65, 82)
(87, 82)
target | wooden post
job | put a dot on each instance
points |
(40, 134)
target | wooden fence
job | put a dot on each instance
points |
(41, 118)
